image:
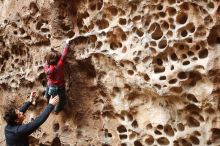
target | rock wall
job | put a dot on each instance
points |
(139, 72)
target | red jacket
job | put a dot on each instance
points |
(55, 73)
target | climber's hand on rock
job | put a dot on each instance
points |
(54, 101)
(67, 41)
(32, 97)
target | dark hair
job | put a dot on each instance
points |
(52, 57)
(10, 116)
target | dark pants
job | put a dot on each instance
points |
(53, 91)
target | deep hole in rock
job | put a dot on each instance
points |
(192, 97)
(211, 5)
(93, 38)
(200, 31)
(172, 2)
(163, 141)
(134, 124)
(56, 142)
(137, 143)
(192, 122)
(172, 81)
(43, 43)
(181, 18)
(184, 33)
(33, 7)
(162, 44)
(172, 67)
(190, 27)
(153, 43)
(27, 37)
(56, 127)
(195, 77)
(190, 53)
(44, 82)
(149, 139)
(208, 142)
(194, 140)
(98, 45)
(32, 140)
(70, 34)
(116, 89)
(6, 55)
(139, 32)
(136, 59)
(203, 53)
(216, 131)
(123, 144)
(162, 14)
(122, 21)
(184, 6)
(132, 135)
(146, 77)
(192, 108)
(185, 142)
(157, 86)
(130, 72)
(182, 75)
(162, 78)
(102, 24)
(165, 25)
(100, 4)
(104, 144)
(180, 127)
(15, 32)
(129, 116)
(169, 33)
(65, 27)
(146, 20)
(173, 56)
(157, 132)
(159, 61)
(197, 133)
(149, 126)
(156, 31)
(1, 61)
(133, 6)
(186, 62)
(136, 18)
(194, 58)
(14, 24)
(176, 89)
(45, 30)
(168, 130)
(92, 7)
(160, 127)
(123, 136)
(39, 24)
(26, 83)
(159, 69)
(208, 20)
(22, 31)
(115, 45)
(121, 129)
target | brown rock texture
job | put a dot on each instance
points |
(139, 72)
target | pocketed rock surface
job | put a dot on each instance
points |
(138, 73)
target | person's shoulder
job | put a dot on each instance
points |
(11, 127)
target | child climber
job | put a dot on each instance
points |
(54, 69)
